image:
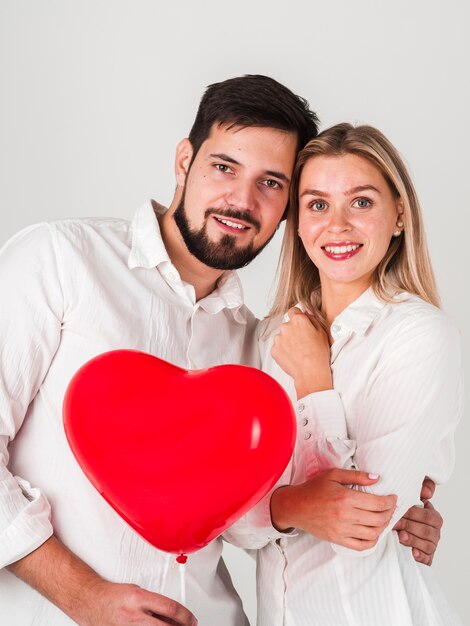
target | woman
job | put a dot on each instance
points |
(374, 368)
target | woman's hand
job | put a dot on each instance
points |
(325, 506)
(302, 349)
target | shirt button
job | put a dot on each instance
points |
(336, 328)
(307, 435)
(304, 421)
(301, 407)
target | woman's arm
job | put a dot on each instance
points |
(409, 408)
(267, 521)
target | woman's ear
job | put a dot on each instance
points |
(400, 209)
(184, 153)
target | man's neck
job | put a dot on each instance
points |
(202, 277)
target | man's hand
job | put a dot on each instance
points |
(325, 506)
(88, 599)
(420, 527)
(115, 604)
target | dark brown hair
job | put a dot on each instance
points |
(253, 100)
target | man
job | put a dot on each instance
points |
(160, 284)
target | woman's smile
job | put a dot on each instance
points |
(341, 251)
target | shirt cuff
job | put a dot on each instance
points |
(323, 411)
(266, 520)
(255, 530)
(30, 528)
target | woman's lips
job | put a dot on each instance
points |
(341, 251)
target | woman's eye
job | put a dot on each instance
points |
(362, 203)
(319, 205)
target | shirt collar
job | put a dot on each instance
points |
(227, 294)
(360, 314)
(148, 250)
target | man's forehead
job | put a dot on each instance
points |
(233, 140)
(221, 129)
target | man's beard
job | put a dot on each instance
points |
(224, 254)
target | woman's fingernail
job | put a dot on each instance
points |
(373, 476)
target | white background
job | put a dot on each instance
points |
(95, 94)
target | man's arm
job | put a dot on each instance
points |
(386, 434)
(89, 599)
(30, 335)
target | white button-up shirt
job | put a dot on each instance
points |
(72, 290)
(396, 401)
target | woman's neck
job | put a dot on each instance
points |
(338, 296)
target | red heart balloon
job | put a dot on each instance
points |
(179, 454)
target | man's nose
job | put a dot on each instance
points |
(242, 196)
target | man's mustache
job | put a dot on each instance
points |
(228, 213)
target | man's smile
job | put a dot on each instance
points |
(231, 226)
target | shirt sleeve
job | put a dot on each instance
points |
(254, 530)
(322, 443)
(321, 437)
(409, 410)
(30, 325)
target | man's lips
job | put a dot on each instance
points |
(342, 250)
(231, 225)
(234, 221)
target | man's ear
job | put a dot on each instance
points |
(184, 154)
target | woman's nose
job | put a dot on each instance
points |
(339, 220)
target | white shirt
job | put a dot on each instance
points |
(71, 290)
(396, 401)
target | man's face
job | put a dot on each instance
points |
(235, 194)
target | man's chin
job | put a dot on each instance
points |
(221, 251)
(232, 260)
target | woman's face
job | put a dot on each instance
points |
(347, 215)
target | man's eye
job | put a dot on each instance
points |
(362, 203)
(272, 184)
(222, 167)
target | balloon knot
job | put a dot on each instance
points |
(181, 558)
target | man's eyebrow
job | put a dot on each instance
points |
(225, 157)
(279, 175)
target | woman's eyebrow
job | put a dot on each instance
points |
(361, 188)
(314, 192)
(349, 192)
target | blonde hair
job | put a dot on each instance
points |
(406, 265)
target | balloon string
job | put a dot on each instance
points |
(181, 560)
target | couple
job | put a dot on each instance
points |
(162, 284)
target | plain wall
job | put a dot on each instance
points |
(96, 94)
